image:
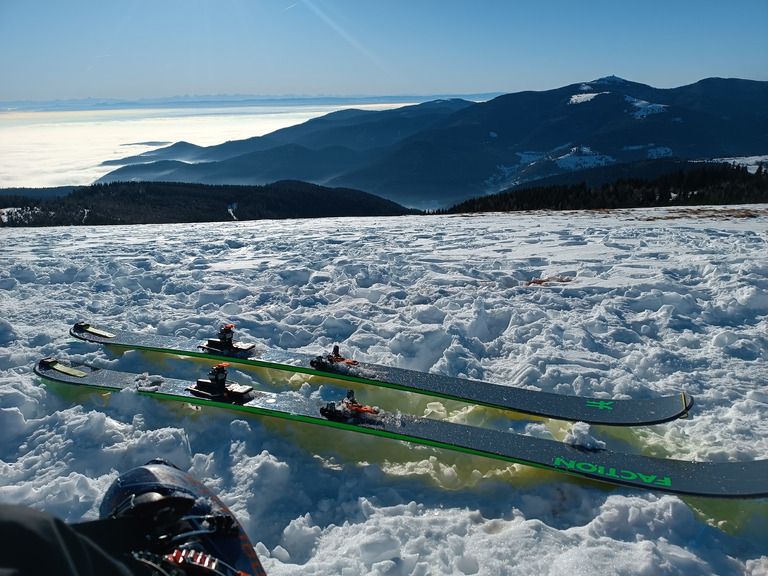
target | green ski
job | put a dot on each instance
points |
(620, 412)
(707, 479)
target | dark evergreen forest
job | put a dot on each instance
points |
(711, 184)
(168, 202)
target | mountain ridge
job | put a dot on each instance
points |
(442, 152)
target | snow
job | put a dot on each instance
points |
(609, 81)
(660, 152)
(581, 157)
(752, 163)
(581, 98)
(644, 108)
(530, 157)
(637, 304)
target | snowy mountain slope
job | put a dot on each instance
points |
(436, 154)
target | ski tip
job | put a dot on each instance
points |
(86, 328)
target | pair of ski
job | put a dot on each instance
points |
(708, 479)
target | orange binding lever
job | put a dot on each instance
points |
(335, 356)
(355, 406)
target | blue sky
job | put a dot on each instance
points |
(138, 48)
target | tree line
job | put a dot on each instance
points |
(173, 202)
(710, 184)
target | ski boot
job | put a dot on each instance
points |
(162, 520)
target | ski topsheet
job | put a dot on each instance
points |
(707, 479)
(620, 412)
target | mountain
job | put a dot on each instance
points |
(439, 153)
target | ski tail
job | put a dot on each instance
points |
(86, 328)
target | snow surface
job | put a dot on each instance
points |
(581, 98)
(752, 163)
(623, 304)
(644, 108)
(581, 157)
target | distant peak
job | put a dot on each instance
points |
(610, 80)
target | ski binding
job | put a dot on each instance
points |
(330, 361)
(215, 387)
(225, 343)
(349, 409)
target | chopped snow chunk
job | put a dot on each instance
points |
(580, 435)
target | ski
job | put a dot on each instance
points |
(706, 479)
(620, 412)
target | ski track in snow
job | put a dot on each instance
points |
(614, 305)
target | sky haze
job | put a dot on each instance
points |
(144, 49)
